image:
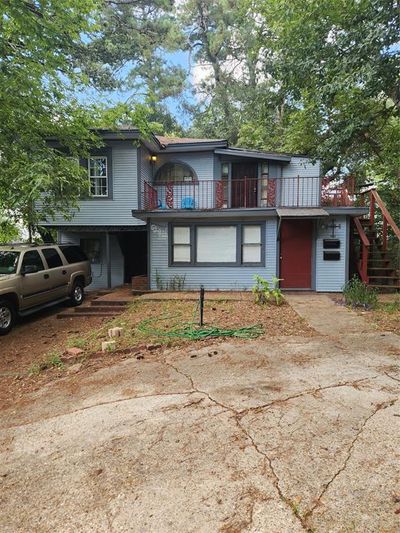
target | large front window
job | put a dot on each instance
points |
(98, 176)
(216, 244)
(225, 245)
(8, 262)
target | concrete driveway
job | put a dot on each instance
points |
(294, 434)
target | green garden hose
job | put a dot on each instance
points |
(191, 330)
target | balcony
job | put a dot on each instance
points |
(247, 193)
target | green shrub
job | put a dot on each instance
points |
(357, 294)
(263, 291)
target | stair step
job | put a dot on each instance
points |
(110, 309)
(110, 303)
(386, 287)
(384, 277)
(390, 269)
(70, 314)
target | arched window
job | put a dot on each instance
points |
(175, 172)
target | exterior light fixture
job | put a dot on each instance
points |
(153, 158)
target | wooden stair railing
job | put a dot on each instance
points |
(387, 218)
(362, 264)
(377, 265)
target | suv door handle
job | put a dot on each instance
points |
(46, 276)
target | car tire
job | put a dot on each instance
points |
(77, 294)
(7, 316)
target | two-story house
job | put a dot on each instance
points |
(199, 212)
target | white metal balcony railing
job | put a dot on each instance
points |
(246, 193)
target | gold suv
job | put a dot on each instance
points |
(33, 277)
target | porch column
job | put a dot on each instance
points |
(108, 260)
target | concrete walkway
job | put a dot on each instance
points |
(326, 316)
(288, 435)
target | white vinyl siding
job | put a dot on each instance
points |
(216, 244)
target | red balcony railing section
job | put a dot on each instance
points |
(247, 193)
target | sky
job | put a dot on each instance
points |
(182, 59)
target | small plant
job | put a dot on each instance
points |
(53, 361)
(159, 281)
(264, 293)
(358, 294)
(176, 283)
(76, 342)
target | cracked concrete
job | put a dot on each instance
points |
(289, 435)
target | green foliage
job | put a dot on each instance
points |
(176, 283)
(8, 231)
(264, 293)
(358, 294)
(53, 361)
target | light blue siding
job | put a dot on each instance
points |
(331, 275)
(115, 211)
(99, 271)
(300, 185)
(201, 162)
(223, 278)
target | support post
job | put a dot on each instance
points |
(384, 234)
(108, 260)
(201, 305)
(371, 209)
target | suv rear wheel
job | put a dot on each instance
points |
(77, 293)
(7, 316)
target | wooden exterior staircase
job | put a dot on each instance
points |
(377, 245)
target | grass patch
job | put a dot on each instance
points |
(52, 361)
(76, 342)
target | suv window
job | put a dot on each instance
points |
(52, 257)
(32, 258)
(73, 254)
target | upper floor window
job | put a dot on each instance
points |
(175, 172)
(98, 176)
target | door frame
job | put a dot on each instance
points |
(314, 235)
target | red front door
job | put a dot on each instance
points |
(295, 257)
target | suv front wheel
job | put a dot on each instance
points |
(7, 316)
(77, 293)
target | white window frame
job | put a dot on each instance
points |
(95, 178)
(251, 244)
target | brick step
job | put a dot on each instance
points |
(110, 303)
(109, 309)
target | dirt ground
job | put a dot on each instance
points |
(31, 340)
(279, 434)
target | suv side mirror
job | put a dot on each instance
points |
(29, 269)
